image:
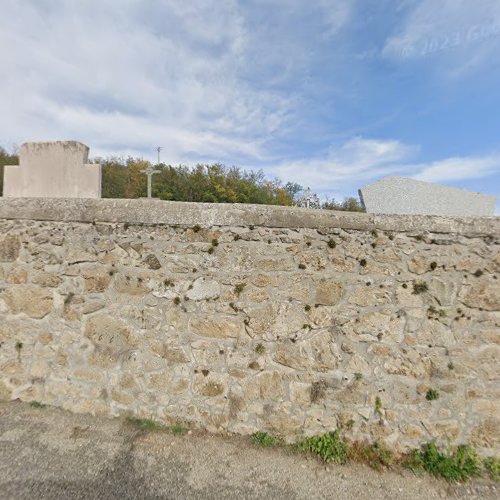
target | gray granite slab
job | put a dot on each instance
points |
(405, 196)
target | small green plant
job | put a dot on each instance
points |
(460, 464)
(419, 237)
(432, 395)
(478, 273)
(307, 308)
(302, 266)
(37, 404)
(145, 424)
(168, 282)
(196, 228)
(211, 250)
(492, 467)
(433, 266)
(329, 447)
(308, 243)
(215, 242)
(264, 439)
(451, 366)
(420, 287)
(178, 430)
(260, 349)
(238, 289)
(177, 301)
(378, 406)
(237, 237)
(358, 376)
(68, 298)
(332, 244)
(19, 346)
(362, 262)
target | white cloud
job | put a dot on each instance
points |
(353, 162)
(200, 78)
(453, 169)
(345, 168)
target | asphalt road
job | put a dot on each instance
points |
(47, 453)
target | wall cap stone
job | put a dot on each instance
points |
(150, 212)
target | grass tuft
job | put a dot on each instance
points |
(37, 404)
(460, 464)
(329, 447)
(145, 424)
(264, 439)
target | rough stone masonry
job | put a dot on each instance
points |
(250, 318)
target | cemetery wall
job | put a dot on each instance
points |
(248, 318)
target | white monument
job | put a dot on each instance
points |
(402, 195)
(58, 169)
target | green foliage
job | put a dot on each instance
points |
(432, 394)
(238, 289)
(264, 439)
(145, 424)
(260, 349)
(37, 404)
(122, 178)
(492, 467)
(329, 447)
(332, 244)
(178, 430)
(348, 205)
(460, 464)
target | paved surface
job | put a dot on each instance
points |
(51, 454)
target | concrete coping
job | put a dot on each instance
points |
(151, 212)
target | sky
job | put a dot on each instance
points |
(331, 94)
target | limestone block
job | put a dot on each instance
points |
(32, 300)
(484, 295)
(329, 293)
(9, 248)
(217, 327)
(204, 289)
(110, 335)
(53, 170)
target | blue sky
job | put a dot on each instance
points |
(332, 94)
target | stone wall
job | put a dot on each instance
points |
(250, 318)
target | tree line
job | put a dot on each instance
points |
(217, 183)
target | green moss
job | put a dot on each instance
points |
(332, 244)
(145, 424)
